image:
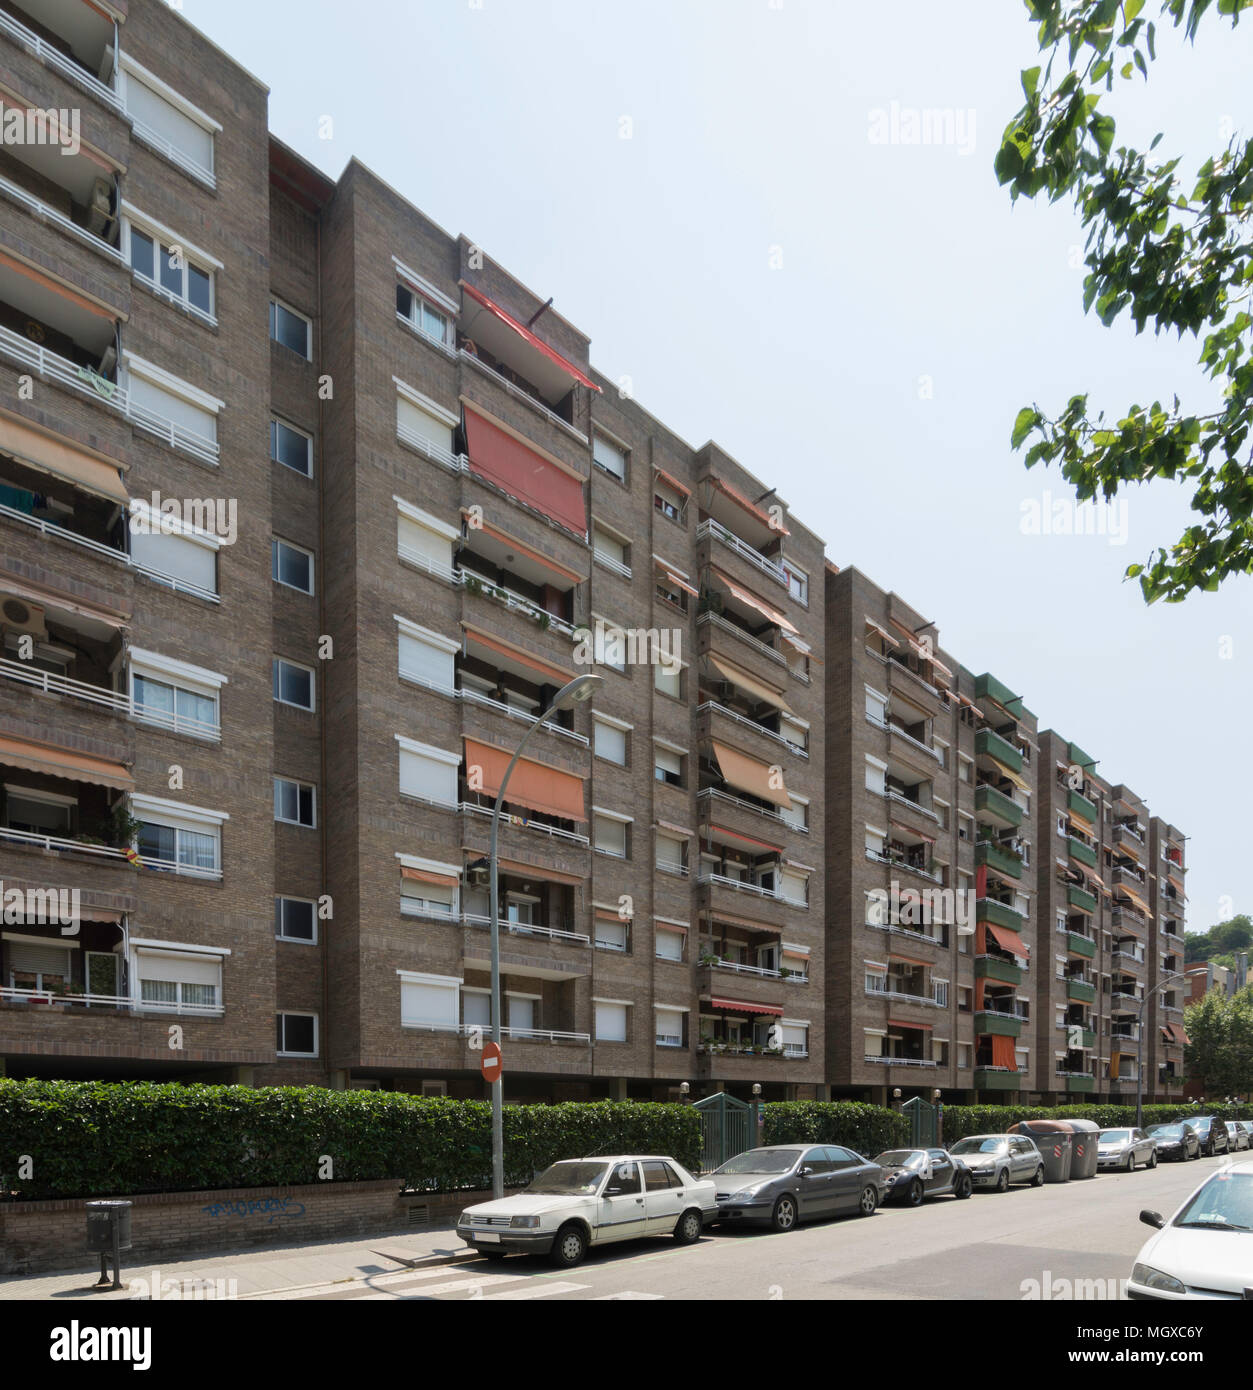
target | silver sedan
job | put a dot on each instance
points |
(1124, 1148)
(786, 1183)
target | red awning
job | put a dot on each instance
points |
(1008, 940)
(525, 333)
(1003, 1053)
(1177, 1034)
(751, 507)
(525, 474)
(746, 1007)
(905, 1023)
(425, 876)
(672, 482)
(534, 784)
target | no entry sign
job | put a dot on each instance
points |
(491, 1066)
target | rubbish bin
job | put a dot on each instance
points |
(1053, 1139)
(1083, 1146)
(108, 1234)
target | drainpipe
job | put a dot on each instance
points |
(324, 1027)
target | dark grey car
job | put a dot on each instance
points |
(1176, 1141)
(912, 1175)
(786, 1183)
(1211, 1132)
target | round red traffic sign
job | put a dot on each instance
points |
(491, 1066)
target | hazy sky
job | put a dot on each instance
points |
(712, 190)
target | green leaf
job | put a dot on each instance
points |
(1030, 78)
(1024, 423)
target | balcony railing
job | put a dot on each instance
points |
(743, 637)
(518, 1034)
(711, 706)
(908, 997)
(171, 152)
(612, 565)
(896, 731)
(524, 396)
(722, 881)
(60, 843)
(54, 58)
(475, 919)
(17, 194)
(760, 971)
(901, 1061)
(913, 805)
(113, 1002)
(455, 463)
(713, 794)
(710, 527)
(570, 836)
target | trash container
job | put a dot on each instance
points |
(1053, 1139)
(1083, 1148)
(102, 1217)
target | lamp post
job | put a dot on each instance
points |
(1170, 979)
(578, 690)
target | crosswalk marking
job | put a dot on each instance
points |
(544, 1291)
(629, 1295)
(436, 1283)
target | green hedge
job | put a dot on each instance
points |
(961, 1120)
(869, 1129)
(88, 1139)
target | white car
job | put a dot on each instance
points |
(592, 1201)
(1206, 1249)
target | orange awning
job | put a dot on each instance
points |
(883, 632)
(425, 876)
(908, 960)
(672, 482)
(1078, 822)
(1134, 897)
(1177, 1034)
(517, 868)
(759, 604)
(671, 572)
(60, 762)
(524, 473)
(721, 830)
(747, 1006)
(1008, 940)
(553, 675)
(46, 282)
(54, 456)
(542, 788)
(535, 556)
(908, 1023)
(749, 775)
(738, 676)
(527, 336)
(1003, 1053)
(750, 507)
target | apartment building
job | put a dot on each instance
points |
(268, 761)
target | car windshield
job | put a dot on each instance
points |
(979, 1146)
(760, 1161)
(1225, 1203)
(1166, 1131)
(900, 1158)
(571, 1179)
(1115, 1136)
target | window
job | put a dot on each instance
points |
(423, 424)
(963, 768)
(610, 834)
(671, 854)
(428, 773)
(669, 1034)
(876, 707)
(668, 500)
(520, 1010)
(292, 448)
(875, 840)
(876, 776)
(430, 889)
(610, 458)
(38, 812)
(610, 739)
(942, 810)
(612, 932)
(165, 263)
(876, 979)
(476, 1008)
(426, 657)
(963, 1056)
(796, 1044)
(423, 315)
(795, 732)
(424, 540)
(1063, 827)
(431, 1001)
(38, 967)
(296, 919)
(611, 1020)
(874, 1042)
(939, 992)
(168, 122)
(797, 814)
(941, 753)
(797, 582)
(794, 887)
(667, 766)
(291, 566)
(177, 981)
(297, 1035)
(178, 838)
(181, 414)
(186, 557)
(295, 803)
(293, 685)
(611, 551)
(668, 943)
(668, 682)
(293, 330)
(175, 694)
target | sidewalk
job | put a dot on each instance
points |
(275, 1269)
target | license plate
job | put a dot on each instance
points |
(489, 1236)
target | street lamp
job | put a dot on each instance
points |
(1170, 979)
(578, 690)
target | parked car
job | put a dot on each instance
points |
(1247, 1126)
(912, 1175)
(1176, 1141)
(1124, 1148)
(1212, 1133)
(582, 1202)
(996, 1160)
(786, 1183)
(1206, 1249)
(1237, 1136)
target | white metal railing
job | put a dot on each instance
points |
(475, 919)
(171, 866)
(59, 843)
(424, 562)
(517, 821)
(455, 463)
(49, 528)
(741, 969)
(710, 527)
(426, 337)
(712, 706)
(524, 396)
(913, 805)
(17, 194)
(713, 794)
(907, 997)
(500, 708)
(722, 881)
(466, 1029)
(110, 1001)
(50, 684)
(678, 870)
(895, 929)
(612, 565)
(664, 1040)
(899, 862)
(54, 58)
(488, 588)
(180, 586)
(907, 1061)
(897, 732)
(894, 665)
(1007, 1013)
(752, 641)
(53, 367)
(173, 153)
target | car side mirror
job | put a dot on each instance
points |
(1152, 1218)
(805, 1172)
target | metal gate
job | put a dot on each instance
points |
(726, 1129)
(922, 1126)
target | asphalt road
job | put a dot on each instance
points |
(992, 1246)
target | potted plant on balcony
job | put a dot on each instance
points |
(122, 827)
(709, 958)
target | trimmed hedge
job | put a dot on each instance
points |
(90, 1139)
(961, 1120)
(869, 1129)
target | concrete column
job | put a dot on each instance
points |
(2, 1068)
(243, 1076)
(617, 1088)
(338, 1080)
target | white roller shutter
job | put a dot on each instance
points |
(425, 661)
(176, 556)
(180, 969)
(669, 852)
(413, 420)
(429, 1001)
(170, 406)
(796, 1036)
(669, 944)
(423, 541)
(611, 743)
(669, 1026)
(476, 1009)
(611, 1022)
(169, 123)
(429, 773)
(39, 960)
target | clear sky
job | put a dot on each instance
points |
(724, 196)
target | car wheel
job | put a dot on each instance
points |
(965, 1186)
(1038, 1179)
(1002, 1180)
(1130, 1165)
(687, 1232)
(570, 1246)
(1152, 1163)
(783, 1217)
(914, 1194)
(869, 1203)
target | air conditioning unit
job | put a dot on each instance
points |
(21, 617)
(106, 66)
(107, 363)
(100, 218)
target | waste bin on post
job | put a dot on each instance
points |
(1083, 1144)
(109, 1233)
(1053, 1139)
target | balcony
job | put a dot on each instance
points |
(999, 914)
(993, 968)
(988, 743)
(1080, 992)
(1077, 945)
(1080, 806)
(76, 41)
(1081, 899)
(1081, 852)
(710, 712)
(993, 805)
(1002, 1025)
(709, 529)
(1079, 1083)
(1127, 841)
(987, 687)
(997, 1079)
(999, 859)
(65, 192)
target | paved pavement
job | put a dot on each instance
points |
(991, 1246)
